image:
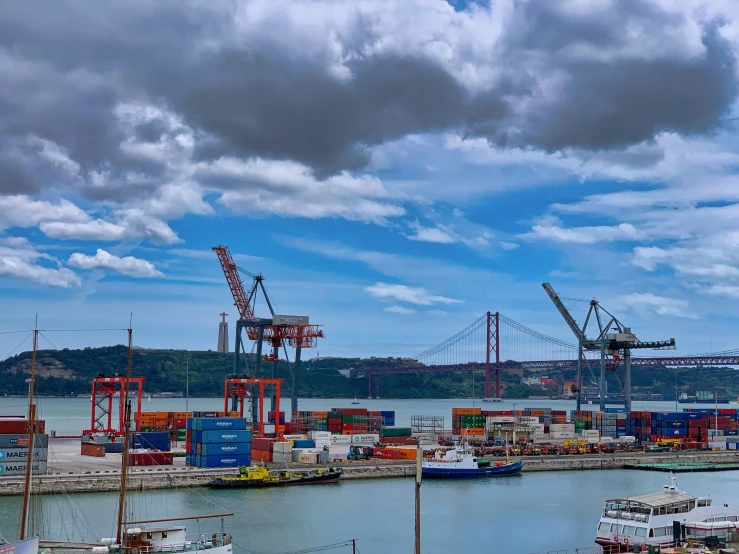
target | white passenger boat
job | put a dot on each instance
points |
(653, 519)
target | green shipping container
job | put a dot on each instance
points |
(334, 415)
(395, 432)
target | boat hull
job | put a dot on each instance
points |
(317, 479)
(512, 468)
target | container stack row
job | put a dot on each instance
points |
(14, 446)
(218, 442)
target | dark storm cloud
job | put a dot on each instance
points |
(248, 95)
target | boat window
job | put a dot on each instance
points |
(164, 534)
(720, 519)
(691, 504)
(731, 518)
(709, 520)
(629, 530)
(660, 531)
(148, 535)
(641, 531)
(604, 526)
(616, 528)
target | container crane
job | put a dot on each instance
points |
(613, 339)
(277, 330)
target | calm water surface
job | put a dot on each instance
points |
(538, 512)
(69, 416)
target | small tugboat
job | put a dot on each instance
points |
(260, 477)
(461, 462)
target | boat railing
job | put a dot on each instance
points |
(587, 550)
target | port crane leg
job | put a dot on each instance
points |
(237, 352)
(579, 376)
(276, 355)
(627, 378)
(294, 387)
(256, 407)
(602, 386)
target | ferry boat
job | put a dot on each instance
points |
(461, 462)
(260, 477)
(649, 519)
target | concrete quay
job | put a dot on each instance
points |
(71, 472)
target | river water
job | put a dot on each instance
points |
(536, 512)
(69, 416)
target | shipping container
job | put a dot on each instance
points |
(218, 424)
(92, 449)
(19, 425)
(19, 468)
(223, 449)
(222, 461)
(12, 454)
(20, 440)
(223, 436)
(151, 458)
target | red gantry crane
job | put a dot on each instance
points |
(278, 330)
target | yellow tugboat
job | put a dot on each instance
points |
(260, 476)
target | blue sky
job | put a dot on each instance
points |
(394, 169)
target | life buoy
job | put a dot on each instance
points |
(626, 541)
(615, 538)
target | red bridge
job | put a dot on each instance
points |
(494, 336)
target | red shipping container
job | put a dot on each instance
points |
(350, 411)
(348, 427)
(262, 443)
(151, 458)
(261, 455)
(655, 438)
(727, 411)
(188, 436)
(19, 426)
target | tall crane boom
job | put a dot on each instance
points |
(579, 333)
(230, 270)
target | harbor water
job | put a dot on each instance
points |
(529, 513)
(69, 416)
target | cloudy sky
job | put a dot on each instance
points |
(395, 168)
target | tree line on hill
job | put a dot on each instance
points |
(69, 373)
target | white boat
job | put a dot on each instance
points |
(648, 519)
(492, 399)
(148, 399)
(460, 462)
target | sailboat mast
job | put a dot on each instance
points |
(31, 437)
(126, 433)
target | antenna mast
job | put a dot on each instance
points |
(31, 437)
(126, 438)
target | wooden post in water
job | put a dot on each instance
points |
(419, 458)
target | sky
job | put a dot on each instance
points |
(394, 168)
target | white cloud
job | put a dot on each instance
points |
(550, 229)
(449, 229)
(508, 245)
(291, 189)
(19, 259)
(128, 265)
(129, 224)
(660, 305)
(411, 295)
(24, 211)
(395, 309)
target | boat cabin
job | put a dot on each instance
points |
(172, 539)
(649, 519)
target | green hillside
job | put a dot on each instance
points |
(69, 372)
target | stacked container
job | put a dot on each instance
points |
(218, 442)
(353, 420)
(262, 449)
(464, 418)
(151, 440)
(583, 419)
(14, 446)
(396, 435)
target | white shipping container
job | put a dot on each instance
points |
(282, 458)
(320, 435)
(717, 445)
(606, 440)
(365, 439)
(593, 440)
(562, 428)
(627, 438)
(562, 435)
(341, 439)
(283, 447)
(321, 443)
(590, 433)
(499, 419)
(308, 458)
(526, 420)
(269, 428)
(295, 437)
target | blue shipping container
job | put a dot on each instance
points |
(222, 461)
(674, 432)
(223, 449)
(302, 443)
(223, 436)
(219, 424)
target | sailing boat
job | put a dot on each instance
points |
(132, 537)
(355, 401)
(148, 399)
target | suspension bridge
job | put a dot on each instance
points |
(494, 342)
